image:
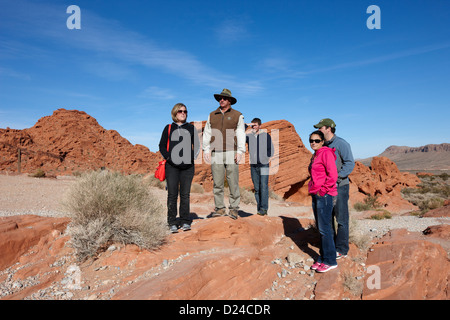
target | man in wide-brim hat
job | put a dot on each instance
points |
(225, 94)
(223, 147)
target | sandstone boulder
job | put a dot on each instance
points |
(410, 269)
(384, 180)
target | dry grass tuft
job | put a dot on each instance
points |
(110, 207)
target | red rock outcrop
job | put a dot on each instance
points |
(19, 233)
(409, 269)
(219, 258)
(71, 141)
(384, 180)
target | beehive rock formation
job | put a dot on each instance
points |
(71, 141)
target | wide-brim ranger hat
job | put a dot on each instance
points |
(225, 93)
(325, 122)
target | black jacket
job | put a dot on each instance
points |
(260, 148)
(184, 145)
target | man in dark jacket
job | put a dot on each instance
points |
(260, 148)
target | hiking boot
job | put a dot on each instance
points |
(233, 213)
(325, 268)
(262, 213)
(219, 213)
(186, 227)
(173, 229)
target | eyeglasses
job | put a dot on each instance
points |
(315, 140)
(182, 111)
(223, 98)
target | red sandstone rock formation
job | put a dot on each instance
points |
(19, 233)
(71, 141)
(410, 269)
(219, 258)
(382, 179)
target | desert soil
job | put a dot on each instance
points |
(21, 194)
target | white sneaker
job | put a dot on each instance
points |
(339, 255)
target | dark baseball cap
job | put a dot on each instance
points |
(325, 122)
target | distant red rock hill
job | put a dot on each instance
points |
(71, 141)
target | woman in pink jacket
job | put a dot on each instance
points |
(322, 188)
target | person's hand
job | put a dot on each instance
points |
(238, 157)
(207, 156)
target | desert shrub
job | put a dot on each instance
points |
(382, 214)
(247, 196)
(352, 284)
(275, 196)
(39, 173)
(154, 182)
(358, 237)
(429, 194)
(370, 203)
(444, 176)
(197, 188)
(110, 207)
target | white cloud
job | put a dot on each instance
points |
(157, 93)
(108, 38)
(231, 31)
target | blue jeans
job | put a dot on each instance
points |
(323, 208)
(260, 178)
(340, 211)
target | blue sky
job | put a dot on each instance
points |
(300, 61)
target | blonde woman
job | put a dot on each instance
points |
(183, 147)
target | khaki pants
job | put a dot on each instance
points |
(223, 163)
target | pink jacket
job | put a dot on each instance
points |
(323, 172)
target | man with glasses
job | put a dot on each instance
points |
(345, 164)
(223, 147)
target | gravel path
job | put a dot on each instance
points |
(377, 228)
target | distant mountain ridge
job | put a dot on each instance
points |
(443, 147)
(428, 157)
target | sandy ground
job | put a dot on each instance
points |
(21, 194)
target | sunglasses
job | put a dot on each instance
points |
(315, 140)
(182, 111)
(223, 98)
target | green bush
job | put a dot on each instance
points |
(370, 203)
(109, 207)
